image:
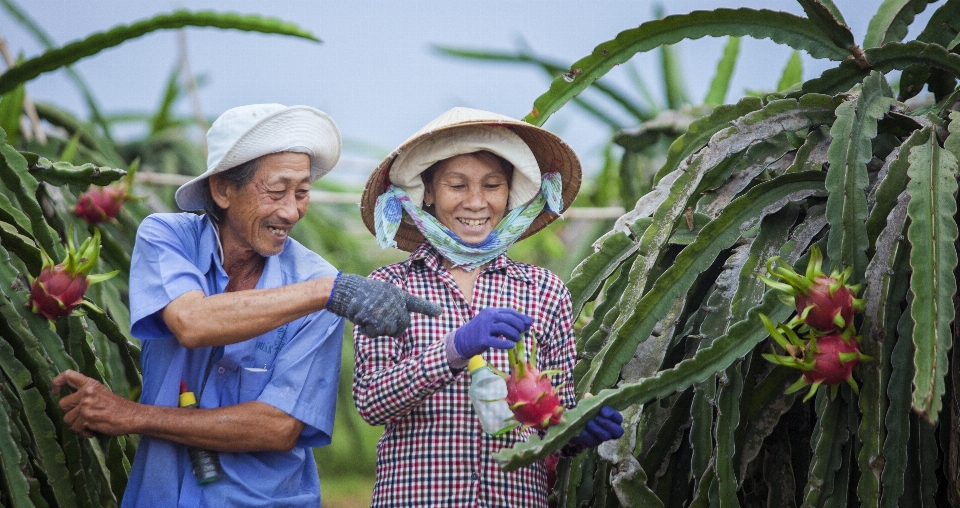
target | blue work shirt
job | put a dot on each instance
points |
(295, 368)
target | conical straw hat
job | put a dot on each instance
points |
(551, 152)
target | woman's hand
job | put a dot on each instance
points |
(493, 327)
(603, 427)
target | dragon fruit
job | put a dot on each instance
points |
(823, 303)
(530, 394)
(551, 462)
(825, 360)
(100, 204)
(59, 288)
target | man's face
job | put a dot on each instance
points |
(259, 215)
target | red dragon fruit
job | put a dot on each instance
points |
(825, 360)
(823, 303)
(100, 204)
(59, 289)
(530, 394)
(551, 462)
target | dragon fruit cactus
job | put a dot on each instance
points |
(825, 360)
(530, 394)
(823, 303)
(59, 289)
(100, 204)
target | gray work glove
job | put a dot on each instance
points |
(377, 307)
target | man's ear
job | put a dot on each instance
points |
(220, 191)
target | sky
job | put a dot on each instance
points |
(376, 72)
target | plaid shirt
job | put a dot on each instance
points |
(433, 452)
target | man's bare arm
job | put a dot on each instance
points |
(198, 320)
(252, 426)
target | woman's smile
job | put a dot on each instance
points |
(470, 194)
(473, 222)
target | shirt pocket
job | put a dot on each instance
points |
(252, 382)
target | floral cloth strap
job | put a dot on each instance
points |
(394, 201)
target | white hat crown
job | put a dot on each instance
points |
(245, 133)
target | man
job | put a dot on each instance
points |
(245, 316)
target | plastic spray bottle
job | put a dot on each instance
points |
(206, 463)
(488, 393)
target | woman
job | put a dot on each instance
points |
(456, 195)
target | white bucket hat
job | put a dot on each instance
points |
(244, 133)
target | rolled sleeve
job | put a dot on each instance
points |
(165, 269)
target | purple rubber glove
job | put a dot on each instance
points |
(493, 327)
(603, 427)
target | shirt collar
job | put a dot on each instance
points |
(210, 247)
(431, 258)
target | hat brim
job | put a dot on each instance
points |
(299, 128)
(551, 152)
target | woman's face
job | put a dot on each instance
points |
(470, 194)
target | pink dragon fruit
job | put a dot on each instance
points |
(100, 204)
(825, 360)
(823, 303)
(59, 288)
(530, 394)
(551, 462)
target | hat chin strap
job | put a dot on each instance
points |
(391, 204)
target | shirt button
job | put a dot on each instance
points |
(221, 370)
(474, 476)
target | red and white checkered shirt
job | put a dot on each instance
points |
(433, 452)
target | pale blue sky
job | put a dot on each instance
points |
(375, 72)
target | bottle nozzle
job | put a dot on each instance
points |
(475, 363)
(187, 398)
